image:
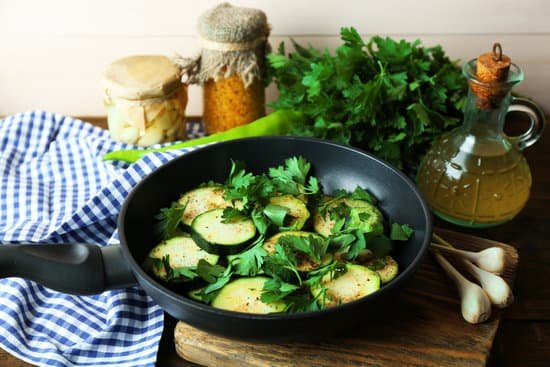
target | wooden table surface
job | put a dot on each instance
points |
(524, 335)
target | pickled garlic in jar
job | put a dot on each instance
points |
(145, 100)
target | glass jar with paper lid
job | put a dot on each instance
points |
(230, 66)
(145, 100)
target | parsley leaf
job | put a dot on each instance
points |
(169, 220)
(356, 246)
(249, 262)
(301, 303)
(335, 268)
(216, 275)
(276, 289)
(400, 232)
(231, 214)
(209, 272)
(377, 264)
(187, 273)
(282, 264)
(276, 213)
(238, 177)
(183, 272)
(260, 221)
(342, 240)
(237, 186)
(315, 279)
(313, 246)
(291, 178)
(361, 194)
(380, 246)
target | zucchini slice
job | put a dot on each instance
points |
(182, 252)
(388, 272)
(357, 282)
(364, 255)
(244, 295)
(214, 236)
(362, 215)
(305, 263)
(298, 212)
(200, 200)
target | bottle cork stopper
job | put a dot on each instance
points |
(493, 66)
(491, 69)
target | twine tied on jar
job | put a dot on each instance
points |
(230, 65)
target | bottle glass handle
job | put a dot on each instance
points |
(533, 134)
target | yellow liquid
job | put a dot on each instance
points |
(472, 182)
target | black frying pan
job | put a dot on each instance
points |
(88, 269)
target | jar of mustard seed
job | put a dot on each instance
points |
(230, 66)
(145, 100)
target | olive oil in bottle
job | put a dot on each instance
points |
(476, 175)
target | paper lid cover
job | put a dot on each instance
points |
(141, 77)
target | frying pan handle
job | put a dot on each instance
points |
(68, 268)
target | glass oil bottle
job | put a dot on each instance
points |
(476, 175)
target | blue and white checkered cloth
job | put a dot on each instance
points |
(55, 188)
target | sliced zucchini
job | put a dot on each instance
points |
(305, 263)
(362, 215)
(213, 235)
(357, 282)
(363, 256)
(244, 295)
(182, 252)
(297, 213)
(389, 270)
(200, 200)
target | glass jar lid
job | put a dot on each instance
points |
(141, 77)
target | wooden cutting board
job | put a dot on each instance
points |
(428, 330)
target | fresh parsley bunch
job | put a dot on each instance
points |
(389, 97)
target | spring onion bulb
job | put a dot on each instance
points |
(497, 289)
(474, 302)
(492, 259)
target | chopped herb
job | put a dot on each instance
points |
(400, 232)
(209, 272)
(216, 275)
(301, 303)
(260, 221)
(183, 272)
(249, 262)
(380, 246)
(313, 246)
(276, 289)
(315, 279)
(231, 215)
(291, 178)
(356, 246)
(187, 273)
(169, 220)
(377, 264)
(363, 216)
(276, 213)
(282, 264)
(341, 241)
(361, 194)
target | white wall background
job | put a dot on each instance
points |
(52, 52)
